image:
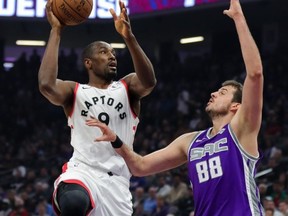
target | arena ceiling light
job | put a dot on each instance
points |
(8, 65)
(118, 45)
(30, 43)
(192, 40)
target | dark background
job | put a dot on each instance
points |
(153, 30)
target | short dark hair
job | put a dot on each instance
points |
(238, 89)
(88, 51)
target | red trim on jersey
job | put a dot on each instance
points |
(126, 86)
(74, 99)
(64, 167)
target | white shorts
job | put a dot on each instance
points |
(109, 194)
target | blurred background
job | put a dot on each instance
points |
(34, 136)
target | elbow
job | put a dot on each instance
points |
(149, 80)
(152, 83)
(139, 168)
(46, 80)
(138, 173)
(257, 72)
(44, 87)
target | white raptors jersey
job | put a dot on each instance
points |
(112, 107)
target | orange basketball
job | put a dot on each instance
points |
(72, 12)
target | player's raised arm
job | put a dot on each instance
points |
(248, 119)
(56, 91)
(143, 82)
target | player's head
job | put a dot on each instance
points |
(226, 99)
(99, 59)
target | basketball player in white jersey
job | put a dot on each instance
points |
(95, 181)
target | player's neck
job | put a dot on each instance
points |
(99, 84)
(219, 123)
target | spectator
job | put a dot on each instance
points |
(277, 192)
(43, 208)
(19, 208)
(150, 203)
(179, 190)
(164, 189)
(269, 206)
(162, 207)
(5, 207)
(283, 207)
(138, 200)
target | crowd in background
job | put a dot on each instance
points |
(34, 138)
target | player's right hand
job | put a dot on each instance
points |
(52, 19)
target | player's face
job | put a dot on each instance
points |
(104, 63)
(220, 101)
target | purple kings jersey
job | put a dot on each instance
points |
(222, 176)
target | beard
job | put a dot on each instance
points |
(217, 113)
(109, 75)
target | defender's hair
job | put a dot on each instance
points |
(238, 90)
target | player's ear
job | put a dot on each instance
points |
(87, 63)
(235, 106)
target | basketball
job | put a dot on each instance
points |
(72, 12)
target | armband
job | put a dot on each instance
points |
(117, 143)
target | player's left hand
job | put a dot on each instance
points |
(234, 10)
(108, 134)
(122, 22)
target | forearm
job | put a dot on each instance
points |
(158, 161)
(250, 52)
(142, 65)
(132, 159)
(49, 66)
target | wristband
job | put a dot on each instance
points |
(117, 143)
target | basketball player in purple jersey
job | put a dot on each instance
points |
(95, 181)
(222, 159)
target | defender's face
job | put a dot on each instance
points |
(103, 61)
(220, 101)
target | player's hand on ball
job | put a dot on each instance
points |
(52, 19)
(122, 22)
